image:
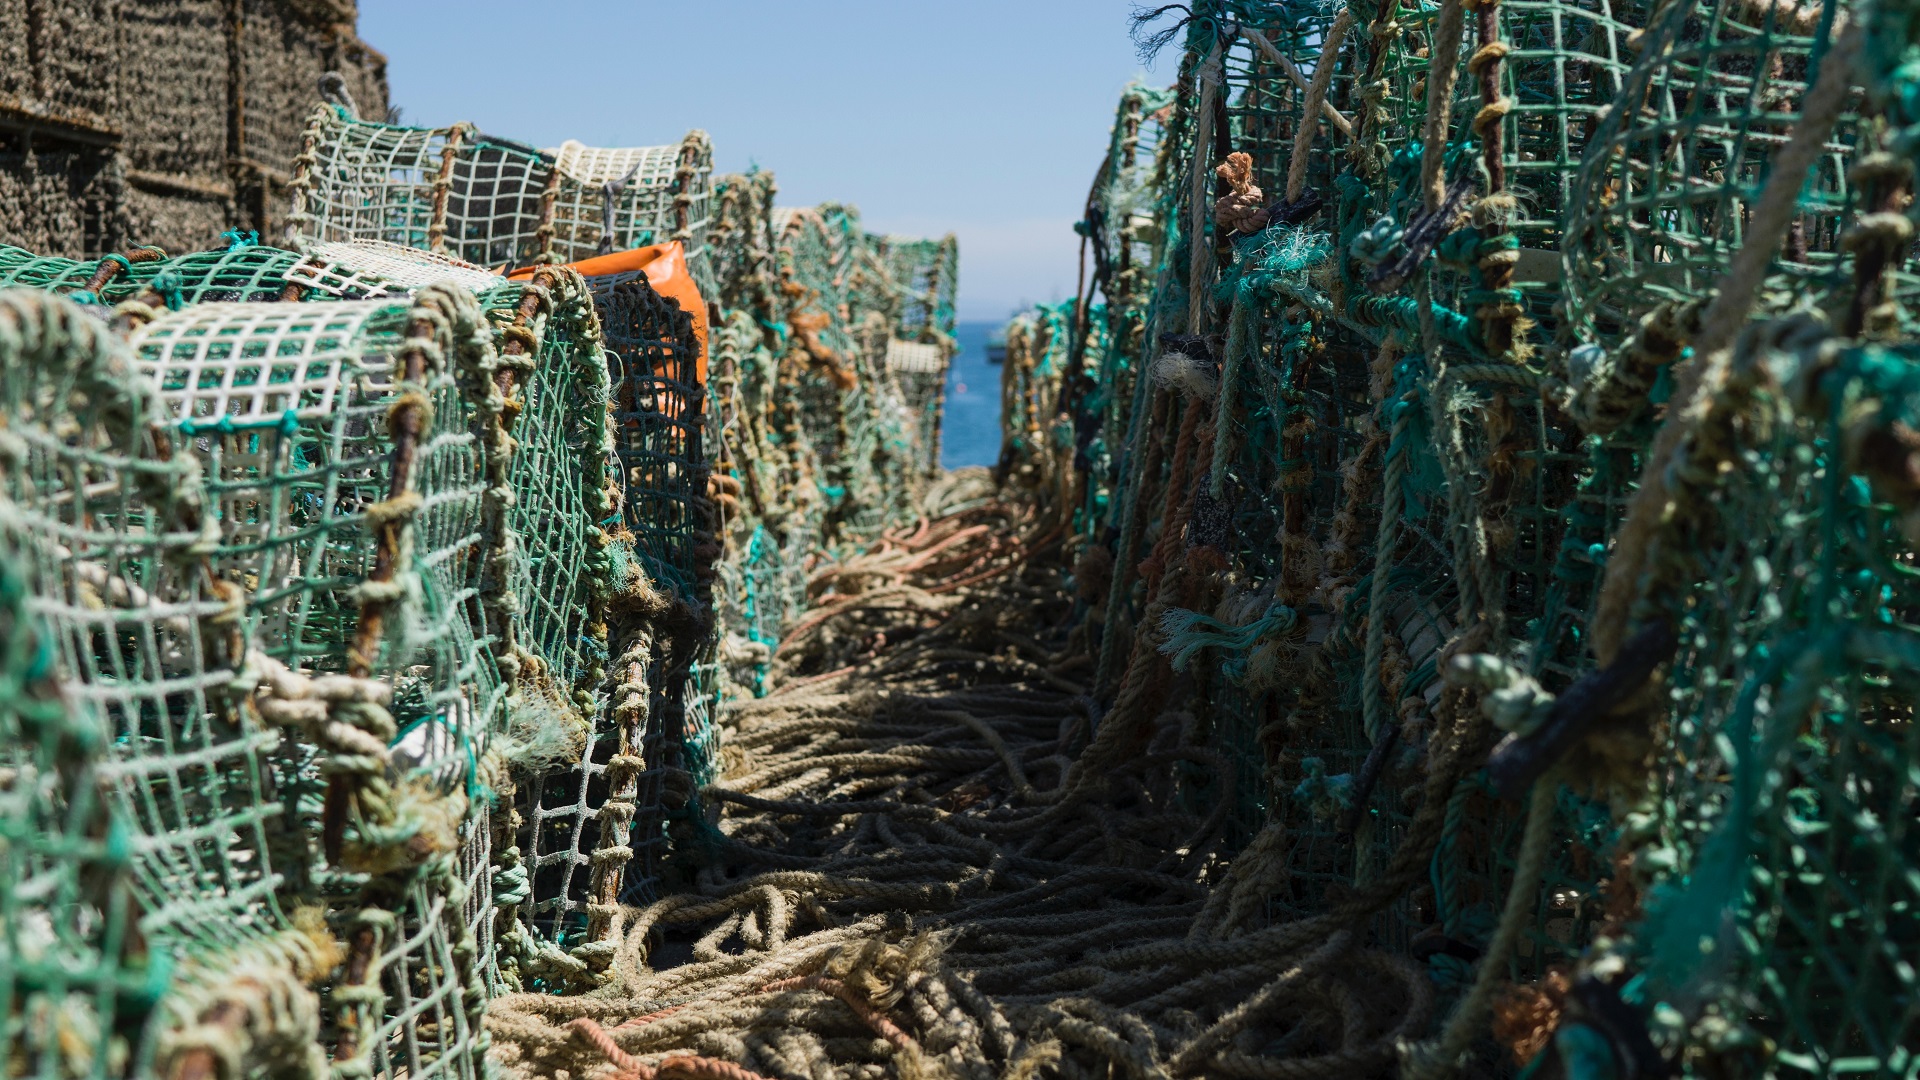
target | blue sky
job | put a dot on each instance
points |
(985, 118)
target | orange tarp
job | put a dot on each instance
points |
(666, 269)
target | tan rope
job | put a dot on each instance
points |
(875, 853)
(1442, 71)
(1316, 97)
(1200, 258)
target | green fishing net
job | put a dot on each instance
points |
(242, 271)
(1675, 165)
(1775, 841)
(320, 678)
(75, 972)
(402, 594)
(1425, 381)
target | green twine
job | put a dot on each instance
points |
(1326, 797)
(1376, 243)
(1402, 313)
(1184, 633)
(167, 283)
(286, 423)
(1466, 247)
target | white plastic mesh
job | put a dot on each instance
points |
(914, 356)
(362, 269)
(495, 202)
(640, 166)
(642, 211)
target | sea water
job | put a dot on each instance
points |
(972, 431)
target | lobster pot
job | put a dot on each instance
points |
(1125, 227)
(884, 442)
(1791, 735)
(618, 199)
(290, 411)
(1372, 489)
(164, 125)
(927, 276)
(742, 346)
(1125, 222)
(93, 524)
(772, 518)
(763, 594)
(1030, 387)
(919, 369)
(1264, 103)
(908, 282)
(449, 190)
(815, 261)
(659, 415)
(1365, 550)
(559, 564)
(923, 276)
(660, 402)
(79, 988)
(815, 253)
(741, 244)
(891, 296)
(1562, 67)
(506, 656)
(246, 273)
(1669, 178)
(755, 438)
(1350, 554)
(848, 409)
(615, 798)
(192, 521)
(491, 201)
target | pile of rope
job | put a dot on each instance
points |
(938, 858)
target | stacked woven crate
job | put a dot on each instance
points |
(271, 546)
(383, 587)
(1491, 441)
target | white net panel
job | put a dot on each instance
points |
(914, 356)
(361, 269)
(495, 202)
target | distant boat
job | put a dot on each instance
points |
(997, 346)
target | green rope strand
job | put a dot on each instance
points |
(1440, 1058)
(1373, 708)
(1223, 409)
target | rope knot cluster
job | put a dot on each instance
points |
(1242, 209)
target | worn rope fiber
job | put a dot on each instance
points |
(917, 870)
